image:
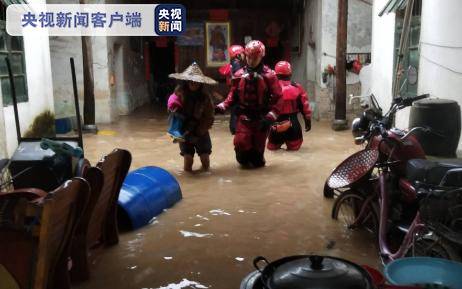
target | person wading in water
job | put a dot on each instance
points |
(196, 109)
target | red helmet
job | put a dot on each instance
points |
(235, 50)
(283, 68)
(255, 48)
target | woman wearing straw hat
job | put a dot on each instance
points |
(197, 110)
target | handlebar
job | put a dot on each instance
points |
(419, 97)
(424, 129)
(414, 129)
(379, 123)
(380, 128)
(407, 101)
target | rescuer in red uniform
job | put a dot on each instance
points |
(237, 61)
(257, 93)
(294, 101)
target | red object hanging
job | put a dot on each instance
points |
(218, 14)
(161, 41)
(357, 65)
(272, 41)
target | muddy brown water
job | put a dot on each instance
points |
(236, 214)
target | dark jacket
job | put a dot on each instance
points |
(199, 112)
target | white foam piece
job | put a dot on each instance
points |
(188, 234)
(202, 218)
(219, 212)
(185, 283)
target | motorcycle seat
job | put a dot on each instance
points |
(432, 172)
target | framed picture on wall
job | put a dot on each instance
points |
(193, 36)
(217, 41)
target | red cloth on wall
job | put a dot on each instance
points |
(218, 14)
(272, 41)
(161, 41)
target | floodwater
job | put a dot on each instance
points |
(227, 216)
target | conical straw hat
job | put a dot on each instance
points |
(193, 73)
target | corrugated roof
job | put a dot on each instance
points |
(393, 5)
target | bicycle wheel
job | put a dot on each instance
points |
(434, 246)
(347, 208)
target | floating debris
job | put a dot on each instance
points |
(219, 212)
(168, 258)
(188, 234)
(240, 259)
(241, 211)
(153, 221)
(132, 267)
(202, 218)
(185, 283)
(197, 225)
(135, 244)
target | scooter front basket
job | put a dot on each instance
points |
(353, 168)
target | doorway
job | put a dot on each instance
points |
(162, 57)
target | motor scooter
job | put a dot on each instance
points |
(380, 187)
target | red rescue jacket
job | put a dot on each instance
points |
(294, 99)
(257, 93)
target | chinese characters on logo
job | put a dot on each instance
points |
(169, 19)
(81, 19)
(96, 19)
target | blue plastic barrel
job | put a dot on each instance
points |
(145, 193)
(63, 125)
